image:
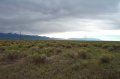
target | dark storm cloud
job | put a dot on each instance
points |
(42, 16)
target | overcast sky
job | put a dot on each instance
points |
(62, 18)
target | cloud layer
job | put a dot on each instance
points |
(49, 16)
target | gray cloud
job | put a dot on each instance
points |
(46, 16)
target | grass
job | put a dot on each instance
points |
(55, 59)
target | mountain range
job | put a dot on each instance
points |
(36, 37)
(22, 36)
(86, 39)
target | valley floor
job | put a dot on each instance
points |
(55, 59)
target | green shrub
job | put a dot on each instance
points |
(37, 58)
(14, 47)
(104, 46)
(83, 45)
(97, 45)
(41, 45)
(47, 51)
(83, 54)
(105, 59)
(50, 51)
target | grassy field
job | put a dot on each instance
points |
(51, 59)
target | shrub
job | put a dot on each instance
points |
(12, 56)
(117, 46)
(2, 49)
(41, 45)
(104, 46)
(68, 46)
(75, 66)
(83, 54)
(37, 58)
(97, 45)
(50, 51)
(47, 51)
(14, 46)
(83, 45)
(70, 55)
(57, 51)
(111, 48)
(105, 59)
(35, 48)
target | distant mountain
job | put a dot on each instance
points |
(87, 39)
(36, 37)
(18, 36)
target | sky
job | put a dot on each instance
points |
(62, 18)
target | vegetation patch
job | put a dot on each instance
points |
(55, 59)
(84, 54)
(12, 56)
(37, 59)
(105, 59)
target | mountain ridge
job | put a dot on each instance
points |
(22, 36)
(36, 37)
